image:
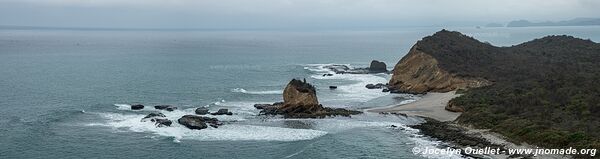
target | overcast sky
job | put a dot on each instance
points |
(285, 13)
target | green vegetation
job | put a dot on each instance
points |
(546, 91)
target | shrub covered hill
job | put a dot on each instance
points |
(544, 92)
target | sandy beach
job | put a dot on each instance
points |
(430, 105)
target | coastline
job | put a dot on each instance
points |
(440, 125)
(431, 105)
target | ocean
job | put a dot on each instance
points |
(66, 93)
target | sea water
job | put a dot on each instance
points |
(67, 93)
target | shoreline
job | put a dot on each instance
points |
(440, 124)
(431, 105)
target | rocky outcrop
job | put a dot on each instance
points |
(160, 122)
(300, 101)
(154, 115)
(201, 111)
(222, 112)
(377, 67)
(165, 107)
(137, 107)
(453, 107)
(300, 97)
(374, 67)
(419, 72)
(198, 122)
(159, 119)
(376, 86)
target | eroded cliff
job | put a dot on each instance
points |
(419, 72)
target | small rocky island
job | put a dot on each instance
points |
(300, 101)
(374, 67)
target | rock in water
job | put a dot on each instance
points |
(137, 107)
(377, 67)
(300, 97)
(165, 107)
(158, 119)
(201, 111)
(222, 112)
(300, 101)
(161, 122)
(154, 115)
(198, 122)
(376, 86)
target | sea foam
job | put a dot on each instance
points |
(228, 132)
(242, 90)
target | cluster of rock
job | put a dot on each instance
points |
(376, 86)
(189, 121)
(300, 101)
(204, 111)
(159, 119)
(159, 107)
(374, 67)
(198, 122)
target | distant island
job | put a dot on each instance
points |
(572, 22)
(542, 92)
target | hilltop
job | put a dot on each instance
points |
(543, 92)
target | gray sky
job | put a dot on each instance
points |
(285, 13)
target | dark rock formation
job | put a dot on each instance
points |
(222, 112)
(137, 107)
(377, 67)
(269, 108)
(266, 106)
(338, 69)
(202, 111)
(154, 115)
(161, 122)
(198, 122)
(159, 119)
(376, 86)
(165, 107)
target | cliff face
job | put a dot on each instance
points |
(419, 72)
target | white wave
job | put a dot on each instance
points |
(123, 106)
(353, 92)
(227, 132)
(242, 90)
(423, 143)
(320, 68)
